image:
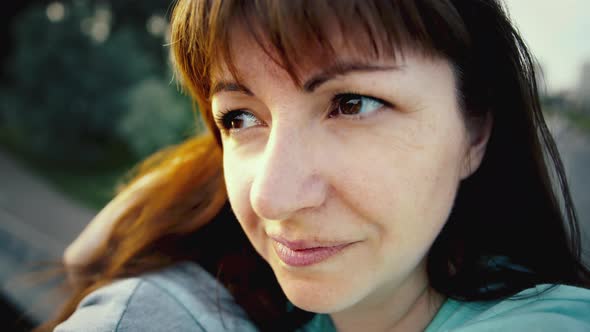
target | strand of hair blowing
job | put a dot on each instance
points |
(145, 237)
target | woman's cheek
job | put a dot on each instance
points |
(238, 181)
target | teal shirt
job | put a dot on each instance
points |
(561, 308)
(184, 297)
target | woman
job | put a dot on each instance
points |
(388, 160)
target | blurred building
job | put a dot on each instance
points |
(583, 90)
(540, 78)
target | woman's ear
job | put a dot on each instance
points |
(478, 136)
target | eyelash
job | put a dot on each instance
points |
(339, 96)
(226, 115)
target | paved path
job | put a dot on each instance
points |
(574, 147)
(36, 224)
(30, 206)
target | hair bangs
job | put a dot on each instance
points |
(303, 34)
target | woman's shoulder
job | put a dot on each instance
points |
(542, 308)
(183, 297)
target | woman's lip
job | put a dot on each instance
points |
(306, 256)
(304, 245)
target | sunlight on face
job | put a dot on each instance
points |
(343, 184)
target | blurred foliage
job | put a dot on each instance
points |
(73, 96)
(155, 111)
(90, 92)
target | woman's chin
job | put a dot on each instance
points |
(324, 287)
(318, 296)
(315, 302)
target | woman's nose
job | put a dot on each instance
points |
(288, 179)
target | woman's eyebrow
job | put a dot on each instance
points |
(340, 69)
(313, 82)
(229, 86)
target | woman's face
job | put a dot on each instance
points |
(343, 184)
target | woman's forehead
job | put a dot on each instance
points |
(301, 40)
(248, 53)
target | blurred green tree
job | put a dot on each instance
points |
(82, 85)
(155, 117)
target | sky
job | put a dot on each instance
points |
(558, 34)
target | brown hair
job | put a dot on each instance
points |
(527, 238)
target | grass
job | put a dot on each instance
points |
(577, 117)
(92, 190)
(579, 120)
(92, 187)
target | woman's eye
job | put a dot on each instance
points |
(354, 105)
(236, 120)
